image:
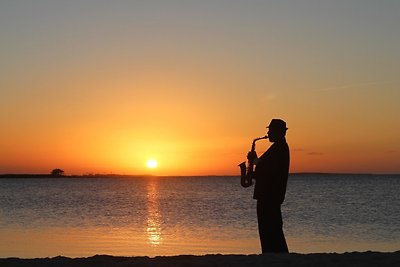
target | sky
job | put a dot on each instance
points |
(104, 86)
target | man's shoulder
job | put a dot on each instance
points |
(280, 145)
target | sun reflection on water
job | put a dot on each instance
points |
(153, 214)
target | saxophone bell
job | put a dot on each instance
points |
(244, 181)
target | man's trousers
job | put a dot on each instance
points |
(270, 227)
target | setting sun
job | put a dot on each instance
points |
(152, 163)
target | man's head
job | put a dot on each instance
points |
(276, 130)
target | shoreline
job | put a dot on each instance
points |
(368, 258)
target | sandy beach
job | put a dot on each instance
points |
(318, 259)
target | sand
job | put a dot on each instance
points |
(369, 258)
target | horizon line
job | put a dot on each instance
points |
(3, 175)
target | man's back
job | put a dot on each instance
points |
(271, 173)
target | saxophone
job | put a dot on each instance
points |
(246, 174)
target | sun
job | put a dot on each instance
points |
(152, 163)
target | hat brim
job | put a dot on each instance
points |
(277, 127)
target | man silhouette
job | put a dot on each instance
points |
(271, 174)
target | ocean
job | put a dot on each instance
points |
(150, 216)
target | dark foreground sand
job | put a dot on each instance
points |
(319, 259)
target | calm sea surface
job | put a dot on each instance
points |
(192, 215)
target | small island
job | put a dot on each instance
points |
(59, 173)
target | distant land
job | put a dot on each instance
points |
(28, 175)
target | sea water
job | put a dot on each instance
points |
(46, 217)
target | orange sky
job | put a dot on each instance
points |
(99, 87)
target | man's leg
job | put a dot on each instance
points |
(264, 230)
(270, 228)
(280, 244)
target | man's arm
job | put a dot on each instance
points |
(252, 157)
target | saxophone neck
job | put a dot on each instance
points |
(253, 145)
(262, 137)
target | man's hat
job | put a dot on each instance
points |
(277, 124)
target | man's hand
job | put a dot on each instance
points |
(252, 156)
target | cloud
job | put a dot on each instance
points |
(315, 154)
(312, 153)
(267, 97)
(350, 86)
